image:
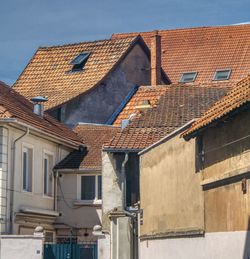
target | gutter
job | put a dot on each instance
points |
(124, 180)
(77, 170)
(122, 105)
(167, 137)
(65, 142)
(125, 150)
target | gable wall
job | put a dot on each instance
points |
(171, 195)
(100, 103)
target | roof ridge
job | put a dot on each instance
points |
(183, 28)
(84, 42)
(95, 124)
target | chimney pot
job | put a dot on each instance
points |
(156, 58)
(38, 105)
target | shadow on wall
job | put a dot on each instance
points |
(224, 141)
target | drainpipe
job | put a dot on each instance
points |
(124, 181)
(12, 177)
(55, 190)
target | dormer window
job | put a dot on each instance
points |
(222, 74)
(79, 61)
(188, 77)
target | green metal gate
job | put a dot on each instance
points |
(70, 251)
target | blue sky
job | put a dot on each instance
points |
(27, 24)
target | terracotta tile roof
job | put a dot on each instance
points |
(144, 93)
(237, 97)
(176, 106)
(203, 49)
(94, 135)
(49, 71)
(15, 106)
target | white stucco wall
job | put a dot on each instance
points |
(36, 198)
(104, 247)
(21, 247)
(217, 245)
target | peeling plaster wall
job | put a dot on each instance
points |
(111, 185)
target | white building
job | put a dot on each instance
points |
(30, 146)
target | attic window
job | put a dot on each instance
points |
(222, 74)
(79, 61)
(188, 77)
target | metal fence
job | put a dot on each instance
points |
(68, 248)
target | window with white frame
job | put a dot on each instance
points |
(91, 187)
(47, 174)
(27, 164)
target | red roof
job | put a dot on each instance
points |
(94, 135)
(49, 72)
(176, 106)
(15, 106)
(203, 49)
(236, 98)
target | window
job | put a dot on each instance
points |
(222, 74)
(91, 187)
(188, 77)
(27, 169)
(47, 174)
(79, 61)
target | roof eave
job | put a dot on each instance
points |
(121, 150)
(167, 137)
(41, 133)
(198, 131)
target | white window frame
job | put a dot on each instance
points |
(79, 189)
(26, 147)
(222, 70)
(48, 154)
(183, 74)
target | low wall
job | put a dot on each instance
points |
(21, 247)
(221, 245)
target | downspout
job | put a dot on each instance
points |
(12, 177)
(55, 190)
(124, 181)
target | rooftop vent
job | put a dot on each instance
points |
(126, 122)
(79, 61)
(188, 77)
(38, 105)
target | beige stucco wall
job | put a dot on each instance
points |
(78, 216)
(34, 199)
(171, 195)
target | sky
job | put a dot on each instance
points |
(27, 24)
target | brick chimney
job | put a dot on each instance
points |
(156, 59)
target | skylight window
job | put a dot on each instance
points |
(79, 61)
(188, 77)
(222, 74)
